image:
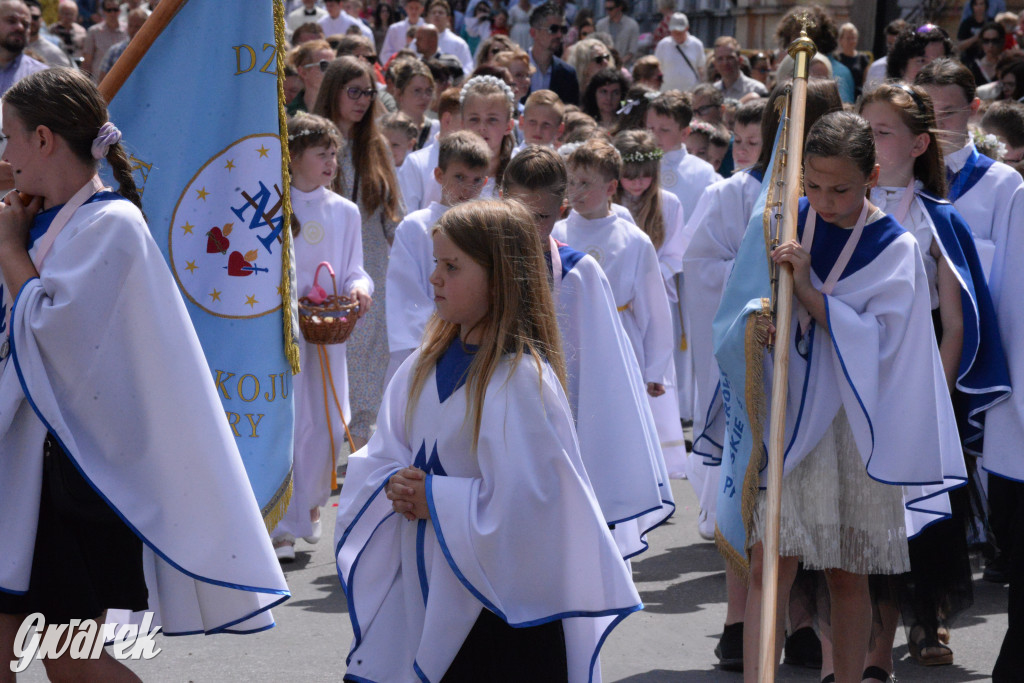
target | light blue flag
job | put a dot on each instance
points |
(740, 363)
(200, 118)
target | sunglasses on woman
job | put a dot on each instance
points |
(323, 64)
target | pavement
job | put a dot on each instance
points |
(681, 580)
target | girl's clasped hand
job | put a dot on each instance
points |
(407, 491)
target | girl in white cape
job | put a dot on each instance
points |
(121, 486)
(470, 544)
(330, 233)
(865, 388)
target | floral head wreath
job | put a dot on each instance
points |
(639, 157)
(988, 144)
(308, 131)
(566, 150)
(490, 80)
(702, 127)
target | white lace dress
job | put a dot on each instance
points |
(834, 516)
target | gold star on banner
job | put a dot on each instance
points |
(215, 295)
(230, 165)
(187, 228)
(263, 151)
(191, 267)
(280, 290)
(202, 194)
(251, 300)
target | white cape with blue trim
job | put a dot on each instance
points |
(105, 357)
(514, 528)
(617, 434)
(879, 359)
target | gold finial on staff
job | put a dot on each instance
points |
(802, 50)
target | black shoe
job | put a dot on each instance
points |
(730, 648)
(997, 569)
(803, 649)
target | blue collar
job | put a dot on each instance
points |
(967, 177)
(453, 368)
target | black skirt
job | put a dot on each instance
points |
(86, 559)
(495, 652)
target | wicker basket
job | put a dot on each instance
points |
(328, 322)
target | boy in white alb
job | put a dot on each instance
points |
(988, 194)
(685, 176)
(617, 436)
(416, 174)
(461, 172)
(628, 259)
(542, 120)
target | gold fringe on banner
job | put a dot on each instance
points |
(274, 510)
(289, 304)
(757, 333)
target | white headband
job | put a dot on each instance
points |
(491, 80)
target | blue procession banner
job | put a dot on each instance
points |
(202, 118)
(740, 331)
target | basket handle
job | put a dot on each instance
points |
(330, 270)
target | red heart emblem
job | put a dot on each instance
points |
(237, 265)
(216, 242)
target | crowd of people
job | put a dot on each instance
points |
(536, 215)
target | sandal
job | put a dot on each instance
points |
(879, 674)
(940, 654)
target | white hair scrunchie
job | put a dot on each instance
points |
(108, 135)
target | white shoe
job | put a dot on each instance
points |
(706, 526)
(314, 537)
(284, 548)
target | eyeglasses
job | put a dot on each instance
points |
(557, 28)
(322, 65)
(358, 93)
(601, 59)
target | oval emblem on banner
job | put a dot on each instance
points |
(224, 241)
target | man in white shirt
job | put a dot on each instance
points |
(309, 12)
(395, 39)
(439, 13)
(623, 29)
(338, 22)
(681, 56)
(733, 83)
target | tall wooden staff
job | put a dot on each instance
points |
(801, 51)
(138, 47)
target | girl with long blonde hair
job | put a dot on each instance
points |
(474, 444)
